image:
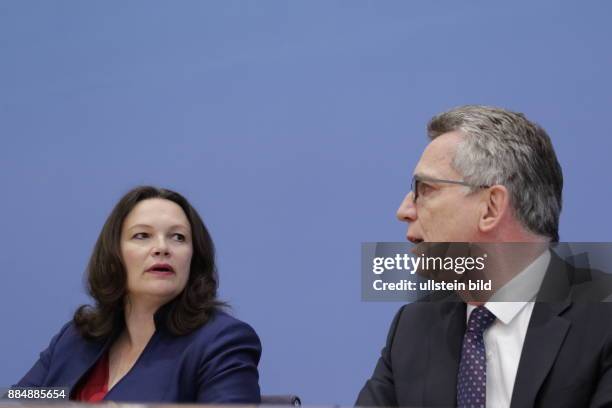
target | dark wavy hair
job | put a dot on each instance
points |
(107, 280)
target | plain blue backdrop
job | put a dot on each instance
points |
(292, 126)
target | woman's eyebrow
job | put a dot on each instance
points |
(139, 226)
(181, 226)
(175, 226)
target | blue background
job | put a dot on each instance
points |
(292, 126)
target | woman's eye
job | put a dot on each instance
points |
(140, 235)
(179, 237)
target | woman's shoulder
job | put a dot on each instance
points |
(69, 340)
(68, 334)
(220, 321)
(223, 327)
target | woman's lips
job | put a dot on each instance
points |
(161, 273)
(161, 269)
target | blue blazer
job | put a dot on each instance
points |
(216, 363)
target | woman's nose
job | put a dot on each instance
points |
(161, 248)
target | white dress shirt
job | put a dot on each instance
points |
(505, 337)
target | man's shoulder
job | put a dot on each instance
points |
(592, 285)
(426, 313)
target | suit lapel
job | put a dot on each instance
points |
(544, 338)
(444, 355)
(89, 354)
(545, 334)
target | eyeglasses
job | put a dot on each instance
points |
(416, 184)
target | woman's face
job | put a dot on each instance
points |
(156, 246)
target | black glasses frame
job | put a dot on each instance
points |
(417, 179)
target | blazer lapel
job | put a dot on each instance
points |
(444, 355)
(545, 334)
(89, 354)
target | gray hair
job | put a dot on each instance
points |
(503, 147)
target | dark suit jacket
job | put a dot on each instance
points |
(217, 363)
(566, 359)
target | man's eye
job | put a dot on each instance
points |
(424, 188)
(179, 237)
(140, 235)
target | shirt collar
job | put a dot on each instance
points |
(526, 283)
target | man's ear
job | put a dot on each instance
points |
(495, 206)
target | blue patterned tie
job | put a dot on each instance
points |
(472, 377)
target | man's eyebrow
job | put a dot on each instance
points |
(421, 175)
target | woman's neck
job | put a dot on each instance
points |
(139, 324)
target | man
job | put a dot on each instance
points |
(490, 175)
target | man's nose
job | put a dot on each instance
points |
(407, 210)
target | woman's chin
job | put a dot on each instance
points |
(162, 292)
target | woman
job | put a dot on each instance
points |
(156, 332)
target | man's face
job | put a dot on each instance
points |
(443, 212)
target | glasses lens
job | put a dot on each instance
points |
(415, 188)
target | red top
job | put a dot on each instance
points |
(95, 385)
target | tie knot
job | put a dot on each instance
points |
(480, 319)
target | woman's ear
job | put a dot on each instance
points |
(495, 206)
